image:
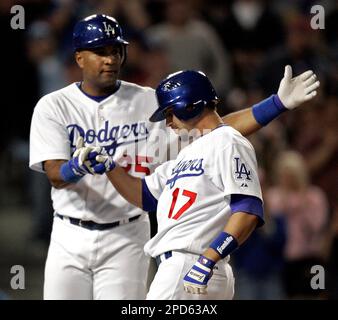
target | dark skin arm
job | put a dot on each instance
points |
(240, 226)
(243, 121)
(52, 168)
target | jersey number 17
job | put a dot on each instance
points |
(192, 198)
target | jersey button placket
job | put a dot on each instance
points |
(101, 117)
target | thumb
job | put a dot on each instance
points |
(288, 73)
(79, 142)
(83, 155)
(101, 158)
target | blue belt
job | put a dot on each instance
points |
(163, 256)
(91, 225)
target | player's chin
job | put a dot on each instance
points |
(108, 78)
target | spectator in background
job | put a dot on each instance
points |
(303, 50)
(305, 209)
(147, 61)
(42, 52)
(156, 65)
(320, 150)
(259, 262)
(249, 31)
(192, 44)
(319, 147)
(134, 70)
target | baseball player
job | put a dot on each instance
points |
(96, 249)
(208, 199)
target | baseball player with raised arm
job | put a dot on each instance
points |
(208, 200)
(96, 248)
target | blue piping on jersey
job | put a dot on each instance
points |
(99, 98)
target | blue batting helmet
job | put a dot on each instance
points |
(96, 31)
(186, 92)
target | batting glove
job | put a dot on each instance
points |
(86, 156)
(94, 160)
(80, 164)
(195, 281)
(105, 162)
(295, 91)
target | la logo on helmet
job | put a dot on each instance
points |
(108, 29)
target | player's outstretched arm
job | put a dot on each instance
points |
(243, 121)
(95, 160)
(292, 93)
(236, 231)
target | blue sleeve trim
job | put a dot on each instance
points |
(149, 202)
(268, 109)
(248, 204)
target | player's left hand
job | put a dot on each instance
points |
(196, 280)
(295, 91)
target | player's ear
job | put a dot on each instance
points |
(79, 59)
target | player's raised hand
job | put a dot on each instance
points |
(295, 91)
(196, 280)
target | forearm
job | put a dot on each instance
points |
(240, 226)
(128, 186)
(52, 168)
(243, 121)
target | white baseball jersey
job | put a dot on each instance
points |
(194, 191)
(115, 123)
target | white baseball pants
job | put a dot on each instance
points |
(168, 281)
(89, 264)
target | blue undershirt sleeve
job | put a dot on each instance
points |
(149, 202)
(248, 204)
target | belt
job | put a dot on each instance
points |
(91, 225)
(163, 256)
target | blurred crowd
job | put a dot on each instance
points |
(243, 46)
